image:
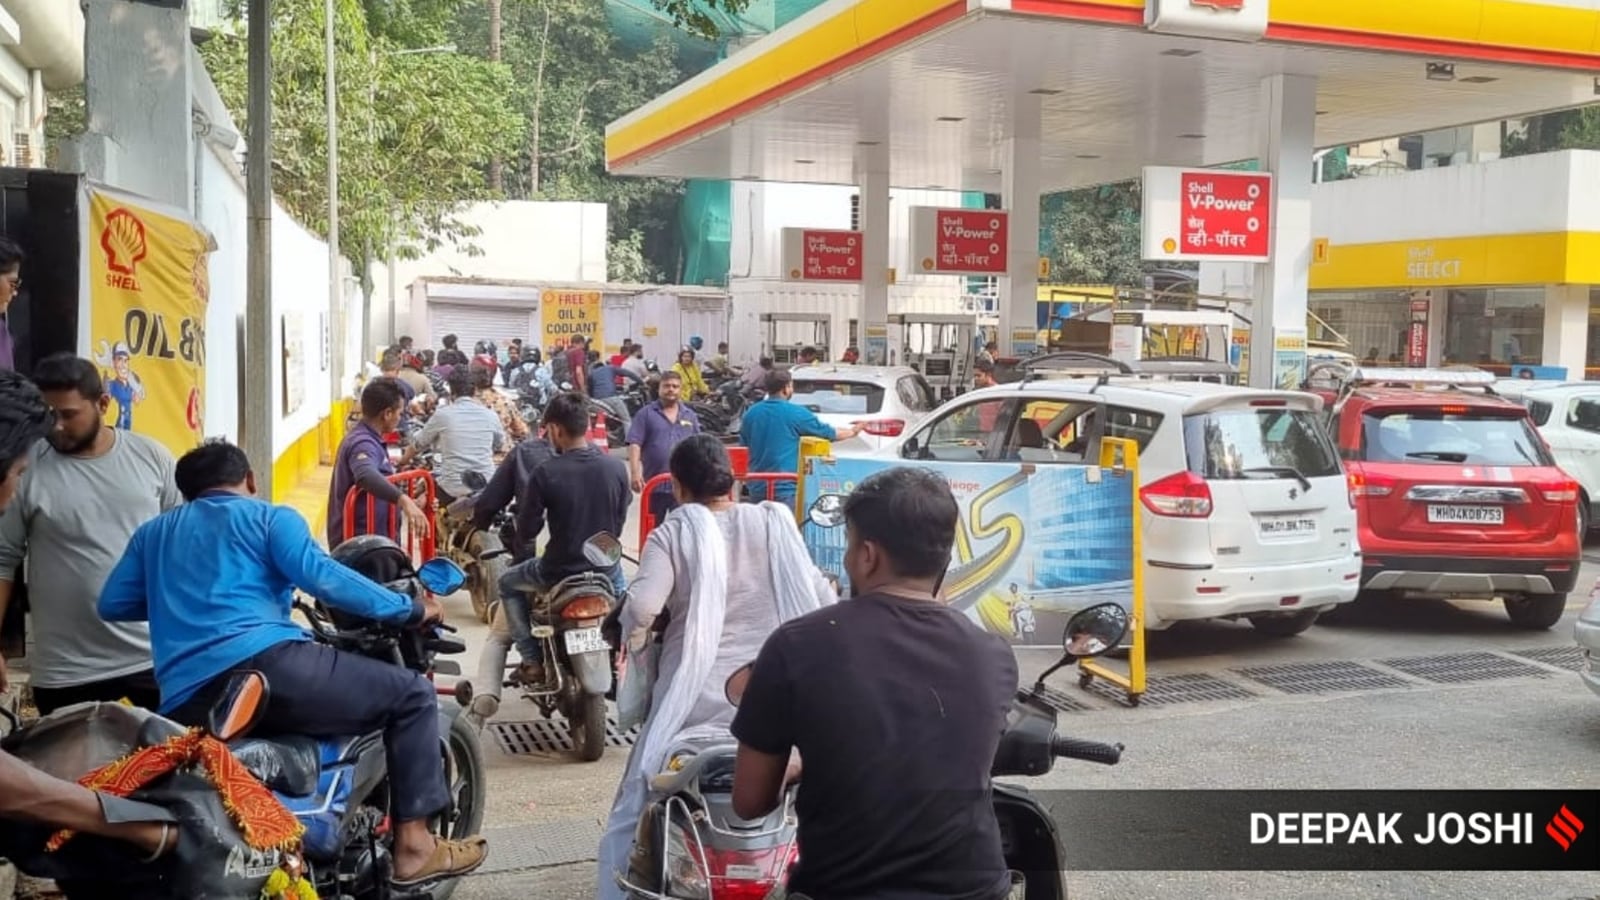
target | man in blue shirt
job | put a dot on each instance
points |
(661, 424)
(363, 461)
(772, 429)
(227, 609)
(604, 380)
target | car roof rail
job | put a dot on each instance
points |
(1062, 362)
(1451, 378)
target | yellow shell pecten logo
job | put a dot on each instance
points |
(1169, 246)
(794, 273)
(123, 241)
(927, 263)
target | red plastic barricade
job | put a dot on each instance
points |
(647, 520)
(417, 483)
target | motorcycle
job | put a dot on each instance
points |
(723, 413)
(690, 846)
(336, 787)
(475, 550)
(579, 659)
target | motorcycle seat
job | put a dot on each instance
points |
(286, 765)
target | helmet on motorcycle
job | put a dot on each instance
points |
(376, 557)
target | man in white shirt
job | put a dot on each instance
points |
(467, 434)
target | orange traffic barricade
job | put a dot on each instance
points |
(418, 484)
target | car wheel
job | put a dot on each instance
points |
(1284, 626)
(1583, 517)
(1536, 612)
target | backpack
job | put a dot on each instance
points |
(560, 368)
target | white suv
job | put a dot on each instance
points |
(1246, 509)
(886, 400)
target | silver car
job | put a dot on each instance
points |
(1587, 632)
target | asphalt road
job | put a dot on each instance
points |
(1447, 702)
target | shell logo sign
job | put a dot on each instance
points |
(123, 241)
(147, 291)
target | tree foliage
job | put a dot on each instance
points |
(1572, 129)
(573, 77)
(414, 128)
(1093, 235)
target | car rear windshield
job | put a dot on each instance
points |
(1439, 436)
(1258, 443)
(838, 397)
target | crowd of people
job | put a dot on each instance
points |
(125, 607)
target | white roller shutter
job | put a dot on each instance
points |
(472, 324)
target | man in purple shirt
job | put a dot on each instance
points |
(658, 427)
(363, 462)
(10, 284)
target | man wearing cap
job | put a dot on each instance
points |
(123, 386)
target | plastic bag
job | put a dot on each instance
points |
(637, 684)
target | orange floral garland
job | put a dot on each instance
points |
(263, 821)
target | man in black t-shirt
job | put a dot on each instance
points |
(896, 704)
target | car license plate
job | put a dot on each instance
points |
(1467, 515)
(585, 640)
(1287, 526)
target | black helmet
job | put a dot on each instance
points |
(376, 557)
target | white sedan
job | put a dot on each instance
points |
(886, 399)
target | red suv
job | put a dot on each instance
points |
(1456, 493)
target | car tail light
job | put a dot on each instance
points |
(591, 607)
(1363, 484)
(1559, 492)
(1453, 410)
(884, 427)
(1184, 495)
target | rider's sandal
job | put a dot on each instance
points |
(450, 859)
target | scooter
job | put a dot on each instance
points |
(690, 846)
(337, 788)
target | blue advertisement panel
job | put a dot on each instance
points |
(1034, 545)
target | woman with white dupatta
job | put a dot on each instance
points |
(727, 574)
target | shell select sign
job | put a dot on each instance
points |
(960, 241)
(1203, 214)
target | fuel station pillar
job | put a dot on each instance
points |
(1278, 316)
(1019, 290)
(872, 174)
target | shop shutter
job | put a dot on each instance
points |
(472, 324)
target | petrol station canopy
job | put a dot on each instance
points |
(937, 85)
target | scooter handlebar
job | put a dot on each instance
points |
(1088, 751)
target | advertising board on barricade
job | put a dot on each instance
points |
(1034, 545)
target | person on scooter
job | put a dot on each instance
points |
(27, 794)
(896, 703)
(231, 612)
(725, 574)
(581, 492)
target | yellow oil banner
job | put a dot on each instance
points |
(563, 314)
(147, 292)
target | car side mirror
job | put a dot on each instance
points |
(909, 448)
(240, 708)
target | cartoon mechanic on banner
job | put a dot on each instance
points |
(122, 383)
(1008, 615)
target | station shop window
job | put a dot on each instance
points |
(1592, 362)
(1375, 322)
(1494, 328)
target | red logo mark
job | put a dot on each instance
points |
(1219, 4)
(1564, 828)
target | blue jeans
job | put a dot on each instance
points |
(515, 586)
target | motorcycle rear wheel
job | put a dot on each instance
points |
(485, 586)
(465, 775)
(589, 727)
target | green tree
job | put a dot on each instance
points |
(1571, 129)
(414, 129)
(573, 78)
(1093, 236)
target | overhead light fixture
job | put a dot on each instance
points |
(866, 143)
(805, 162)
(1191, 137)
(1045, 92)
(1441, 71)
(1088, 156)
(1322, 112)
(1597, 86)
(952, 118)
(1478, 79)
(1180, 53)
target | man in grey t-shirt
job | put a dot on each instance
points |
(88, 489)
(467, 435)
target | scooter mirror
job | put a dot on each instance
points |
(1095, 630)
(827, 511)
(474, 480)
(734, 688)
(603, 550)
(441, 576)
(241, 706)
